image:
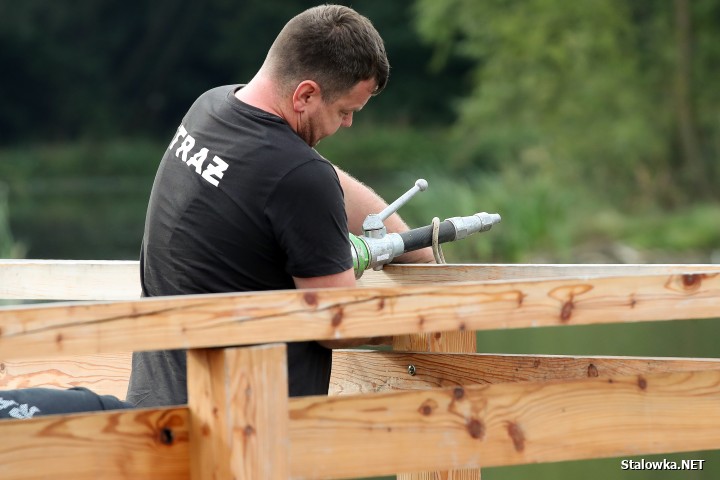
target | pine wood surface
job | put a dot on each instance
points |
(418, 274)
(105, 374)
(504, 424)
(279, 316)
(608, 414)
(351, 436)
(457, 341)
(121, 444)
(69, 279)
(361, 371)
(238, 399)
(120, 280)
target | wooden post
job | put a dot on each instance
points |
(238, 401)
(458, 342)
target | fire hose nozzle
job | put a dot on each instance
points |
(480, 222)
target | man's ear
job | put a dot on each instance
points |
(306, 95)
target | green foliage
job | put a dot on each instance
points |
(88, 200)
(374, 153)
(596, 84)
(26, 165)
(535, 214)
(101, 69)
(80, 201)
(9, 248)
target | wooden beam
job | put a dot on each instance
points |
(198, 321)
(238, 399)
(120, 280)
(504, 424)
(113, 445)
(363, 371)
(459, 341)
(69, 279)
(403, 274)
(378, 434)
(105, 374)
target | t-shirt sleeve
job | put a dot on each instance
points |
(307, 214)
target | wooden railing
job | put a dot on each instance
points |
(390, 411)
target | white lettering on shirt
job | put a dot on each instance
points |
(181, 132)
(214, 170)
(198, 159)
(187, 144)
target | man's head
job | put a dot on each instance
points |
(332, 45)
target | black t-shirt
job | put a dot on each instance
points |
(240, 203)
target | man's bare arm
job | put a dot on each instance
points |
(361, 200)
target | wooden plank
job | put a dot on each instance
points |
(346, 437)
(238, 399)
(404, 274)
(363, 371)
(120, 280)
(458, 341)
(504, 424)
(113, 445)
(105, 374)
(197, 321)
(69, 279)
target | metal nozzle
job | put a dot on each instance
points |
(480, 222)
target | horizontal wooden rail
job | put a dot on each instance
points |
(378, 434)
(122, 444)
(399, 274)
(362, 371)
(69, 279)
(280, 316)
(505, 424)
(120, 280)
(104, 374)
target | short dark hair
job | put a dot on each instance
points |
(332, 45)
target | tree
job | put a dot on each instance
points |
(600, 91)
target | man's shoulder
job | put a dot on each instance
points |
(308, 164)
(219, 92)
(213, 96)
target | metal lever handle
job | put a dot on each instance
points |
(373, 225)
(420, 186)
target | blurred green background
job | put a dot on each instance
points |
(592, 127)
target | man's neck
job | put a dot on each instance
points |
(260, 93)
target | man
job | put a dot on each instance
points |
(243, 202)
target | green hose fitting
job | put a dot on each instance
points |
(360, 255)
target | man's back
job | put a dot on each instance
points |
(240, 203)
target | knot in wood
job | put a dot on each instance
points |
(517, 436)
(476, 428)
(458, 393)
(427, 407)
(166, 436)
